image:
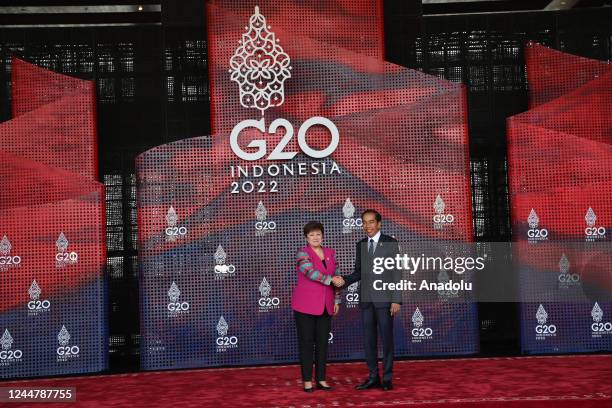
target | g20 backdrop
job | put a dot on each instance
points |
(560, 178)
(52, 229)
(309, 122)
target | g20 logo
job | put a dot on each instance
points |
(176, 231)
(178, 306)
(10, 260)
(269, 301)
(278, 152)
(422, 332)
(595, 232)
(265, 225)
(352, 222)
(227, 341)
(10, 355)
(68, 350)
(601, 327)
(569, 278)
(546, 329)
(225, 269)
(443, 218)
(39, 305)
(352, 297)
(537, 233)
(66, 257)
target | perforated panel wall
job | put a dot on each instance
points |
(52, 252)
(220, 223)
(559, 172)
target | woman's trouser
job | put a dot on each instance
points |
(313, 335)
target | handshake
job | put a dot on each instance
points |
(338, 281)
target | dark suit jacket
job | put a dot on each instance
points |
(387, 247)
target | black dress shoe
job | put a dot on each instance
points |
(311, 389)
(324, 387)
(369, 383)
(387, 386)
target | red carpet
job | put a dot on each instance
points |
(525, 382)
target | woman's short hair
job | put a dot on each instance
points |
(312, 226)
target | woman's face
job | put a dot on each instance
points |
(314, 238)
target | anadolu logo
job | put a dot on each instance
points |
(535, 234)
(260, 67)
(542, 329)
(7, 354)
(6, 259)
(35, 305)
(567, 279)
(592, 232)
(330, 338)
(420, 333)
(176, 307)
(440, 219)
(262, 225)
(221, 269)
(173, 231)
(599, 327)
(225, 342)
(65, 351)
(267, 303)
(352, 296)
(63, 257)
(350, 223)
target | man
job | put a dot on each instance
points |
(377, 311)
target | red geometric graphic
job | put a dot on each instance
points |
(559, 161)
(52, 222)
(560, 152)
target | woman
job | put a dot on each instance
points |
(314, 301)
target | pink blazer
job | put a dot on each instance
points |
(310, 296)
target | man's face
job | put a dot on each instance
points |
(370, 225)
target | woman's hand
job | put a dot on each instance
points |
(338, 281)
(336, 309)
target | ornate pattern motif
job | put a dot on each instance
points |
(260, 66)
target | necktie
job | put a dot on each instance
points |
(371, 247)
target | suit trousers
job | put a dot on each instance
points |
(378, 320)
(313, 335)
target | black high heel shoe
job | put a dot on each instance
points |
(311, 389)
(324, 387)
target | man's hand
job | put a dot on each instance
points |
(338, 281)
(336, 309)
(395, 308)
